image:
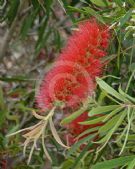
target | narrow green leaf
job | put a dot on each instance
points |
(109, 89)
(42, 32)
(96, 120)
(111, 164)
(16, 79)
(83, 152)
(131, 137)
(75, 114)
(110, 124)
(28, 23)
(101, 3)
(35, 3)
(132, 164)
(42, 40)
(65, 6)
(132, 2)
(13, 10)
(115, 111)
(117, 124)
(124, 19)
(118, 2)
(92, 12)
(79, 143)
(129, 81)
(67, 164)
(57, 40)
(74, 9)
(102, 109)
(129, 118)
(48, 5)
(87, 132)
(119, 49)
(126, 95)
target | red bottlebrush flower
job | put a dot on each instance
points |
(72, 79)
(75, 129)
(66, 82)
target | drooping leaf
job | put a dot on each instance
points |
(55, 134)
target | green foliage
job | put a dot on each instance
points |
(12, 11)
(110, 164)
(114, 102)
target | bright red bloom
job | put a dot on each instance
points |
(66, 82)
(72, 79)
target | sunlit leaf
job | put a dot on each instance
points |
(109, 89)
(132, 164)
(102, 109)
(101, 3)
(110, 164)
